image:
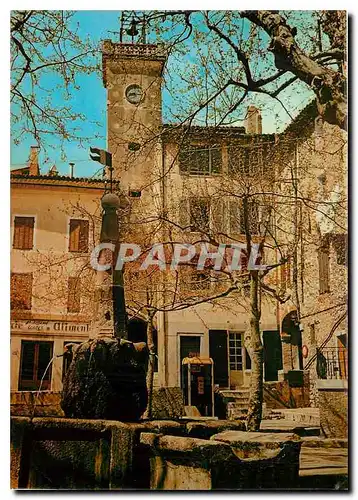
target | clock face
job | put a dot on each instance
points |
(134, 94)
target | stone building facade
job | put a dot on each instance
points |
(314, 328)
(53, 227)
(187, 184)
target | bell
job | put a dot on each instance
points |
(132, 31)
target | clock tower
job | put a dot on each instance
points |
(132, 75)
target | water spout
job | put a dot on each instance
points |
(41, 381)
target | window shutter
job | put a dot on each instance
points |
(21, 291)
(84, 234)
(184, 215)
(216, 160)
(79, 234)
(234, 159)
(266, 226)
(253, 218)
(74, 235)
(199, 209)
(184, 161)
(23, 233)
(234, 216)
(218, 222)
(74, 295)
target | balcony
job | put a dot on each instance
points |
(332, 367)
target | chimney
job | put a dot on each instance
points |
(72, 166)
(253, 120)
(34, 168)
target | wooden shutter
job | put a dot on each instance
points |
(23, 233)
(79, 233)
(21, 291)
(253, 218)
(184, 160)
(234, 153)
(218, 222)
(216, 160)
(234, 216)
(184, 215)
(266, 225)
(74, 295)
(199, 214)
(286, 274)
(84, 234)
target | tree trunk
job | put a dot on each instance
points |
(328, 85)
(256, 387)
(150, 372)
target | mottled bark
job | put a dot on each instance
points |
(328, 85)
(256, 384)
(256, 387)
(150, 371)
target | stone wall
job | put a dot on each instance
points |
(281, 395)
(334, 413)
(31, 403)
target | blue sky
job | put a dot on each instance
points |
(91, 101)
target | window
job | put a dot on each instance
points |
(323, 265)
(202, 215)
(245, 160)
(23, 233)
(74, 295)
(79, 231)
(199, 211)
(21, 291)
(34, 365)
(200, 160)
(252, 218)
(235, 351)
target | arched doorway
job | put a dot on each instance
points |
(272, 354)
(291, 328)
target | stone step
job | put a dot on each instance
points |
(238, 404)
(308, 416)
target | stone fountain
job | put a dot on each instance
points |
(107, 376)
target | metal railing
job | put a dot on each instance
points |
(332, 363)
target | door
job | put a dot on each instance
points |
(272, 354)
(189, 347)
(236, 359)
(218, 351)
(35, 367)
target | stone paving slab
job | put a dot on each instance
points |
(321, 442)
(321, 461)
(289, 426)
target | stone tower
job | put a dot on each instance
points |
(132, 74)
